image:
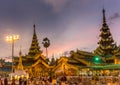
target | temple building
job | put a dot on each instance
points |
(35, 63)
(79, 62)
(107, 46)
(106, 56)
(107, 51)
(62, 67)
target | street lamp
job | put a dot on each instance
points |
(12, 39)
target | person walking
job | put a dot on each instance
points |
(5, 81)
(20, 81)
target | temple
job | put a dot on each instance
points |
(107, 47)
(106, 56)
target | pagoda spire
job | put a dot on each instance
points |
(34, 30)
(34, 48)
(104, 18)
(106, 43)
(20, 65)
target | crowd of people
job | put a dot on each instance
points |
(25, 81)
(63, 80)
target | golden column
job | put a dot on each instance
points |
(12, 39)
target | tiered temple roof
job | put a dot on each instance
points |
(79, 58)
(107, 46)
(29, 59)
(34, 48)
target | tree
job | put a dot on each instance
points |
(46, 44)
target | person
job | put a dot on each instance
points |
(6, 81)
(20, 81)
(13, 82)
(1, 83)
(50, 79)
(25, 81)
(64, 79)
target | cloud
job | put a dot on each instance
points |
(114, 16)
(57, 5)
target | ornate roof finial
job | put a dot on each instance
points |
(20, 53)
(104, 18)
(34, 29)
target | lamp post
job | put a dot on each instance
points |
(12, 39)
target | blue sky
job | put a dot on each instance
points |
(69, 24)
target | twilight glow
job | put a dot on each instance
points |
(69, 24)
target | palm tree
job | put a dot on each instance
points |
(46, 44)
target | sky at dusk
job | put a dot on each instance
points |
(69, 24)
